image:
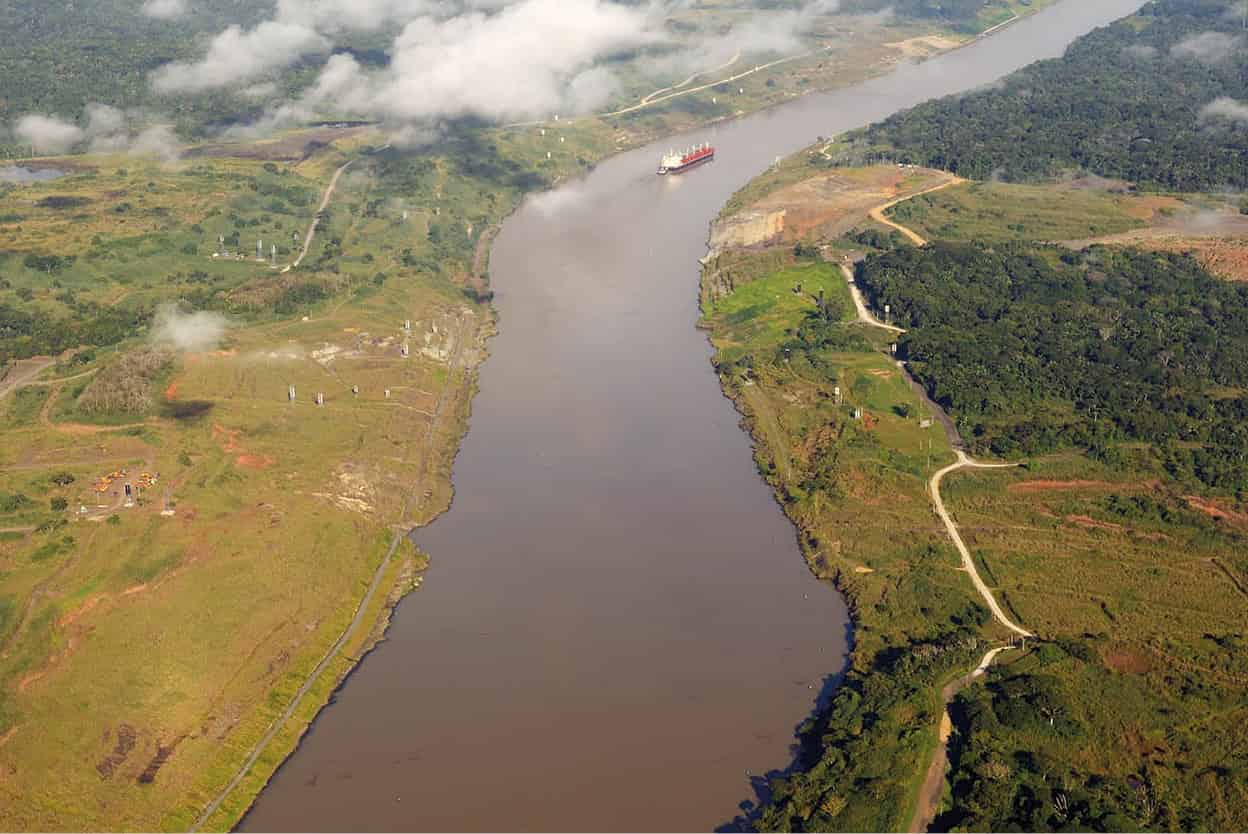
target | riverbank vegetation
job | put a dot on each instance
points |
(1112, 373)
(1119, 719)
(782, 355)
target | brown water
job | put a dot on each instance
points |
(618, 629)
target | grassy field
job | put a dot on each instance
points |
(145, 649)
(1004, 211)
(1144, 588)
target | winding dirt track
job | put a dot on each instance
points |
(879, 216)
(19, 377)
(689, 80)
(316, 219)
(928, 801)
(860, 304)
(965, 461)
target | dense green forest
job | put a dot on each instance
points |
(1033, 348)
(58, 57)
(1015, 760)
(1134, 100)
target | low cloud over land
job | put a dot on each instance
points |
(1227, 108)
(165, 9)
(191, 332)
(107, 130)
(1207, 47)
(492, 59)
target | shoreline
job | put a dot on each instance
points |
(381, 622)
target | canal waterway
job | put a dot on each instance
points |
(618, 630)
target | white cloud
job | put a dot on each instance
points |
(237, 56)
(494, 59)
(48, 134)
(158, 140)
(194, 332)
(1225, 108)
(337, 15)
(1141, 50)
(165, 9)
(519, 62)
(1207, 47)
(256, 92)
(108, 130)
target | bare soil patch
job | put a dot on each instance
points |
(829, 206)
(1090, 523)
(924, 46)
(1213, 509)
(1045, 486)
(1128, 662)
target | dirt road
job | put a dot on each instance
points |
(879, 216)
(934, 780)
(316, 219)
(25, 371)
(860, 304)
(964, 461)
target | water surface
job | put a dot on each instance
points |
(618, 629)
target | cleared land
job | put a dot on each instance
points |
(254, 523)
(1210, 227)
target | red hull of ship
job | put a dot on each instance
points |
(691, 160)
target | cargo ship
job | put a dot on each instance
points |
(674, 163)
